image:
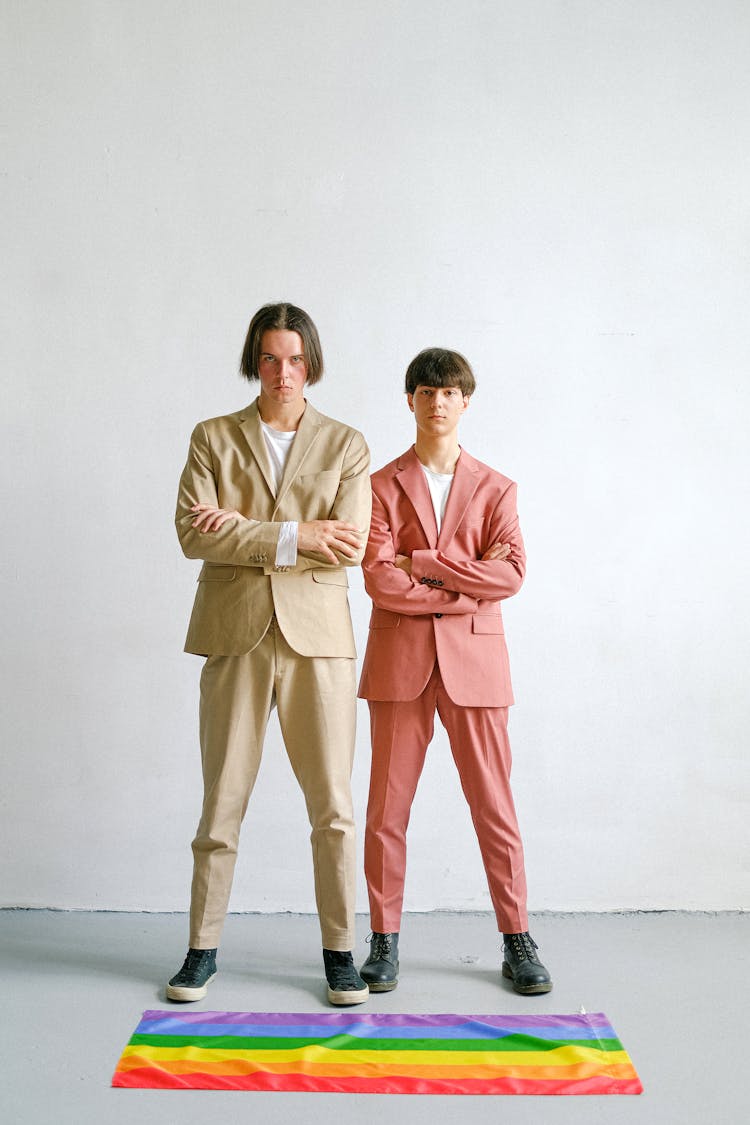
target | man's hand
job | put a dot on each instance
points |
(323, 537)
(209, 518)
(496, 551)
(403, 562)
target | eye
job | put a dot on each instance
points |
(298, 359)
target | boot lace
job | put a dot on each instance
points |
(523, 947)
(381, 947)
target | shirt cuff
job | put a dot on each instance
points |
(286, 548)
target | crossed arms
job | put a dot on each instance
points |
(217, 534)
(432, 581)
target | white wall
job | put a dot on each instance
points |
(557, 189)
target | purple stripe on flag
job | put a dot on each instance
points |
(308, 1025)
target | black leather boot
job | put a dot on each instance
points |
(380, 970)
(522, 966)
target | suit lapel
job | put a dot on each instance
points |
(465, 484)
(307, 434)
(412, 480)
(250, 425)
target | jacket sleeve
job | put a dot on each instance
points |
(392, 588)
(240, 542)
(494, 579)
(352, 505)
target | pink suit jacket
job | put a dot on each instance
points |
(449, 609)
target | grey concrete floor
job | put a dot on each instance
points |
(74, 986)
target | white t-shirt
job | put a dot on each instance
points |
(439, 485)
(278, 445)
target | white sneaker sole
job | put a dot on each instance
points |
(175, 992)
(348, 996)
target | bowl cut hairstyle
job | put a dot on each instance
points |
(438, 367)
(290, 318)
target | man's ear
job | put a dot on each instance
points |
(410, 400)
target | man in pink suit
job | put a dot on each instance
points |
(445, 548)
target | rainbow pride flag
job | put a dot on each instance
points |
(352, 1053)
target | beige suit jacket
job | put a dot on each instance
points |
(239, 586)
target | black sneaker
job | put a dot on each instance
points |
(380, 970)
(522, 966)
(345, 985)
(191, 983)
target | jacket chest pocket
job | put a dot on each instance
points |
(314, 494)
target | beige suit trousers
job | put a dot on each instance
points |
(315, 698)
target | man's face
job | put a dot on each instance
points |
(281, 366)
(437, 410)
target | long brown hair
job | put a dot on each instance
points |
(285, 316)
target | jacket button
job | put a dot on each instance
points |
(438, 615)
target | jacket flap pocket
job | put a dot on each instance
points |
(336, 576)
(384, 619)
(217, 572)
(487, 623)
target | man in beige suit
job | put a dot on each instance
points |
(275, 500)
